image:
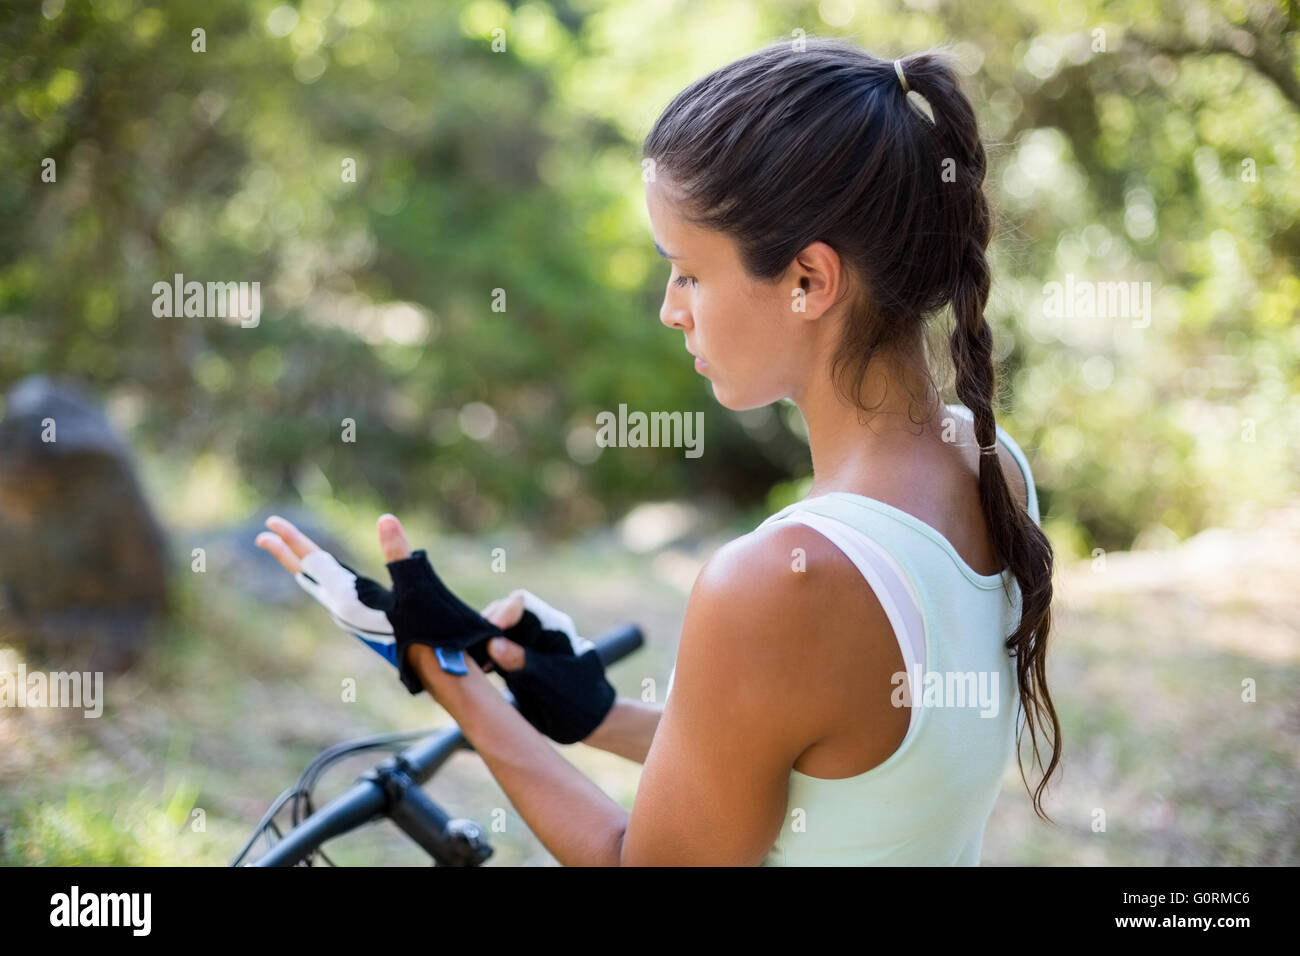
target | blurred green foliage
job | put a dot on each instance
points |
(1130, 141)
(109, 827)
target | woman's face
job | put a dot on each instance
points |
(755, 347)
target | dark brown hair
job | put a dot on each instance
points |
(817, 140)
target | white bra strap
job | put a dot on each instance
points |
(887, 580)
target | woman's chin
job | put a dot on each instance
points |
(721, 396)
(736, 402)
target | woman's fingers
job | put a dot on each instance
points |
(276, 546)
(392, 539)
(508, 655)
(510, 610)
(298, 543)
(506, 612)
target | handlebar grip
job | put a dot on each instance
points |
(616, 644)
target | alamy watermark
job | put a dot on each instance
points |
(947, 689)
(75, 908)
(1085, 299)
(656, 430)
(73, 689)
(213, 300)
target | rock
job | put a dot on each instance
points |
(83, 562)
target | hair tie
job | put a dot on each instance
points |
(898, 68)
(990, 449)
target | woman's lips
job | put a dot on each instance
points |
(700, 364)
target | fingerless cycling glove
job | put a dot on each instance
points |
(365, 608)
(424, 611)
(561, 690)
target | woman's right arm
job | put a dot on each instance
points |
(627, 729)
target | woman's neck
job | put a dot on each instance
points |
(853, 447)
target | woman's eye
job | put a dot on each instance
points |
(682, 280)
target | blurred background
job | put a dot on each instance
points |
(442, 206)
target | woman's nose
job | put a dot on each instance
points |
(673, 315)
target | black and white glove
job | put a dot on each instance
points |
(561, 689)
(418, 610)
(423, 610)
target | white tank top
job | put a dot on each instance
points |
(928, 802)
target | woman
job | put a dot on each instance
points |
(815, 220)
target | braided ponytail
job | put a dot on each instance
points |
(1019, 542)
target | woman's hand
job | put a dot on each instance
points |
(556, 675)
(419, 610)
(356, 604)
(289, 545)
(505, 613)
(286, 543)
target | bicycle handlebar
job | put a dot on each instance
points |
(393, 789)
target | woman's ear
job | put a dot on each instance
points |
(819, 278)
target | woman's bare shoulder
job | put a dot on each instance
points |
(789, 604)
(778, 564)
